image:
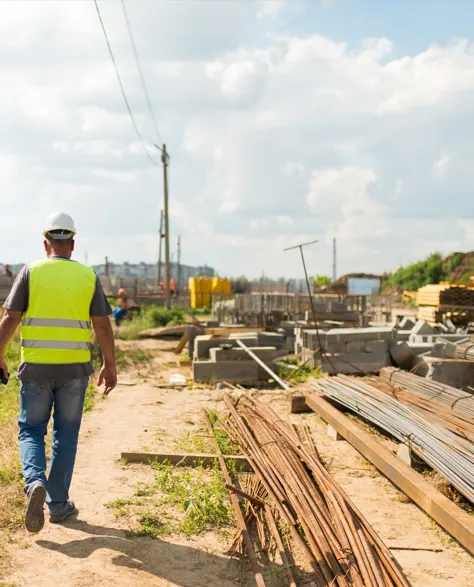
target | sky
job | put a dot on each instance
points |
(286, 121)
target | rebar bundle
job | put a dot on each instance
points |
(464, 350)
(343, 548)
(445, 451)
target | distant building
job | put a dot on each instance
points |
(150, 271)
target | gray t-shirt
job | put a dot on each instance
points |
(17, 301)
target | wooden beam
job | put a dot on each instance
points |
(184, 459)
(225, 330)
(182, 343)
(448, 515)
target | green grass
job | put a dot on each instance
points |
(131, 357)
(151, 317)
(178, 501)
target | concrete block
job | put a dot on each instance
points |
(355, 363)
(354, 346)
(333, 433)
(204, 343)
(421, 348)
(376, 346)
(457, 373)
(232, 371)
(402, 355)
(351, 334)
(298, 404)
(271, 339)
(266, 354)
(402, 335)
(338, 307)
(422, 327)
(406, 323)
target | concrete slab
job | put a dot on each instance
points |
(266, 354)
(422, 327)
(355, 363)
(376, 346)
(204, 343)
(232, 371)
(406, 323)
(402, 335)
(353, 346)
(352, 334)
(455, 372)
(402, 355)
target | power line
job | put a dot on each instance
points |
(124, 95)
(142, 77)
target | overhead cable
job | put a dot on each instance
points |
(122, 89)
(140, 71)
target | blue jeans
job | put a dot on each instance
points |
(37, 399)
(119, 313)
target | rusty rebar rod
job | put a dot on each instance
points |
(238, 512)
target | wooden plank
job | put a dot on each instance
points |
(184, 459)
(182, 343)
(225, 331)
(448, 515)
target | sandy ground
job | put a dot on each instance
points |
(93, 549)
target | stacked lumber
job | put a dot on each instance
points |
(343, 549)
(443, 299)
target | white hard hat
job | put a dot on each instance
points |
(60, 222)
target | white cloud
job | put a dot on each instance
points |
(274, 139)
(270, 8)
(440, 167)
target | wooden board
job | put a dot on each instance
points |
(184, 459)
(182, 343)
(164, 331)
(226, 330)
(448, 515)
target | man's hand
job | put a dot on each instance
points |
(4, 368)
(108, 376)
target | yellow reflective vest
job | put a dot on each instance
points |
(56, 327)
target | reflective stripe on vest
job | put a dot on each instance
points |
(55, 344)
(58, 322)
(56, 328)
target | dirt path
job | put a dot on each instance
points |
(93, 550)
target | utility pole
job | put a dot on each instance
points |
(158, 273)
(164, 159)
(178, 279)
(106, 267)
(334, 274)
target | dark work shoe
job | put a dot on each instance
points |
(61, 516)
(34, 519)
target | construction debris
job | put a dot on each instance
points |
(342, 547)
(426, 433)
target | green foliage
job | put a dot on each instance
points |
(418, 274)
(183, 501)
(150, 317)
(454, 261)
(321, 280)
(201, 496)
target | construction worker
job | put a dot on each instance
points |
(6, 270)
(57, 299)
(123, 306)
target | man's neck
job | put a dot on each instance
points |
(58, 255)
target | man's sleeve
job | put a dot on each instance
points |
(99, 305)
(17, 300)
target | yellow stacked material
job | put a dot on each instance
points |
(445, 295)
(200, 292)
(429, 314)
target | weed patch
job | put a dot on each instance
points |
(179, 501)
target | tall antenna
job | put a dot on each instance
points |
(334, 273)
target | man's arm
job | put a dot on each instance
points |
(15, 306)
(100, 311)
(8, 325)
(105, 338)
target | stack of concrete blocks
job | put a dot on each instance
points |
(221, 359)
(353, 350)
